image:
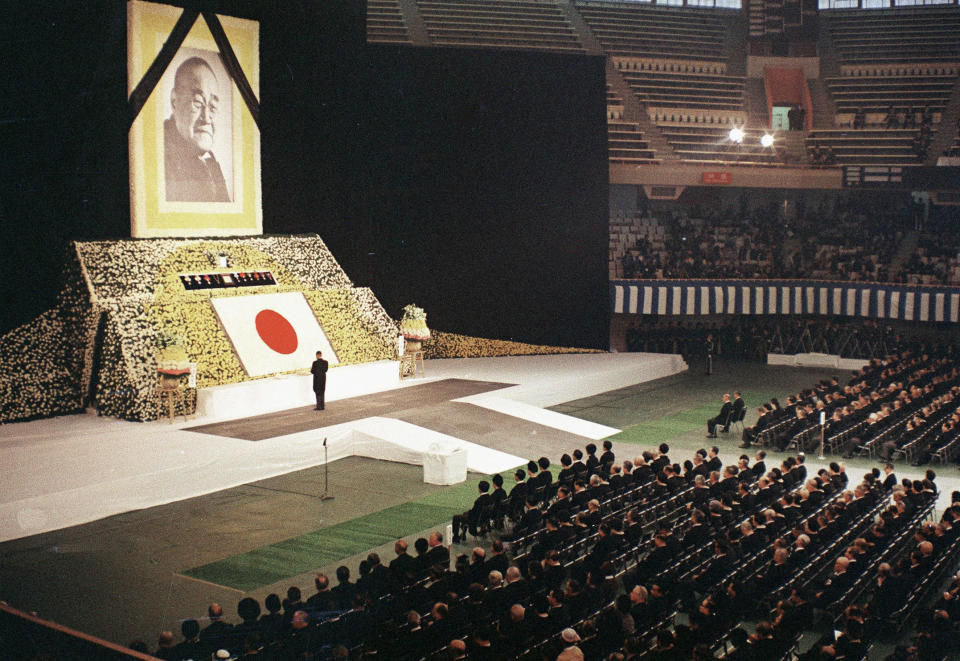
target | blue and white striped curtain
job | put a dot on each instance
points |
(695, 297)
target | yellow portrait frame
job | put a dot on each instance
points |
(151, 215)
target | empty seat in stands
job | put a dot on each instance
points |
(626, 144)
(385, 23)
(915, 34)
(866, 147)
(632, 30)
(516, 24)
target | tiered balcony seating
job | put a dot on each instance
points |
(711, 144)
(876, 95)
(625, 144)
(868, 147)
(954, 150)
(936, 260)
(687, 92)
(626, 234)
(385, 23)
(929, 34)
(668, 89)
(614, 104)
(674, 32)
(515, 24)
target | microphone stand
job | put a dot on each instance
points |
(326, 472)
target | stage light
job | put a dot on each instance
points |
(736, 135)
(767, 140)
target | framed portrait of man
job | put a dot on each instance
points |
(198, 133)
(194, 146)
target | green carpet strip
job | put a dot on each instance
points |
(269, 564)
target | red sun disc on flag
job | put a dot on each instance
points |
(276, 332)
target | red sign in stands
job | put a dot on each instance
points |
(716, 178)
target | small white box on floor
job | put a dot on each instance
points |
(444, 465)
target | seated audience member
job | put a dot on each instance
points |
(190, 647)
(403, 567)
(738, 408)
(322, 600)
(218, 633)
(607, 457)
(165, 647)
(438, 555)
(721, 418)
(471, 520)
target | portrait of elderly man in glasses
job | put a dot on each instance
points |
(191, 170)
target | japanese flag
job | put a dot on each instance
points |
(272, 332)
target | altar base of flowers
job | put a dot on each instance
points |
(121, 297)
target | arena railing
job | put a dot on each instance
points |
(28, 636)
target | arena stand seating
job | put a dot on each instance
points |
(385, 22)
(622, 548)
(897, 71)
(854, 241)
(626, 143)
(675, 61)
(865, 147)
(636, 31)
(901, 35)
(516, 24)
(936, 259)
(712, 145)
(908, 92)
(614, 105)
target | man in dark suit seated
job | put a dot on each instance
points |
(531, 520)
(438, 554)
(545, 477)
(765, 416)
(836, 584)
(714, 462)
(218, 634)
(518, 495)
(777, 574)
(470, 520)
(738, 408)
(720, 565)
(697, 534)
(560, 508)
(604, 548)
(721, 418)
(323, 600)
(404, 566)
(567, 474)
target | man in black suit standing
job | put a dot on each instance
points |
(721, 417)
(319, 371)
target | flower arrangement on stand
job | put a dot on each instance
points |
(413, 327)
(172, 360)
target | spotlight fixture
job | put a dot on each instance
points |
(736, 134)
(766, 140)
